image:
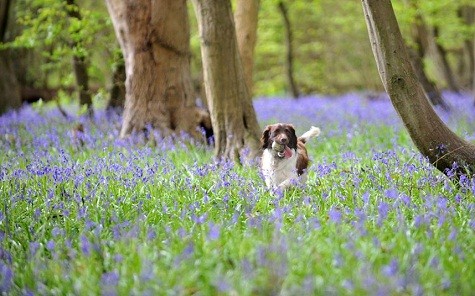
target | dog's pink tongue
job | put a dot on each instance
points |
(287, 152)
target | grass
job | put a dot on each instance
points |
(119, 217)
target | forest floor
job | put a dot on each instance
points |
(88, 213)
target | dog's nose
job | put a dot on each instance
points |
(284, 140)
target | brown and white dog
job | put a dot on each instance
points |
(284, 160)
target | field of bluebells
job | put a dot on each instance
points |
(123, 217)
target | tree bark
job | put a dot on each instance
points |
(80, 64)
(154, 39)
(9, 88)
(289, 52)
(431, 136)
(232, 113)
(246, 20)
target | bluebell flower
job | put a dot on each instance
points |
(6, 278)
(335, 215)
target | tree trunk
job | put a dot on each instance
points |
(154, 38)
(117, 92)
(246, 19)
(430, 135)
(82, 81)
(416, 56)
(9, 87)
(432, 92)
(80, 65)
(289, 56)
(447, 72)
(232, 114)
(473, 75)
(467, 58)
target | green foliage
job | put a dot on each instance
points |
(332, 53)
(445, 15)
(323, 31)
(53, 28)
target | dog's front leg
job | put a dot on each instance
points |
(286, 184)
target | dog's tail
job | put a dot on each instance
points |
(311, 133)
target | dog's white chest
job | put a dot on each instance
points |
(278, 171)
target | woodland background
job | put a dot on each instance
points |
(85, 211)
(331, 52)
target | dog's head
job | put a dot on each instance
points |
(280, 133)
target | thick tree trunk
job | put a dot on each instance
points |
(246, 18)
(430, 135)
(232, 114)
(80, 65)
(289, 52)
(9, 87)
(154, 38)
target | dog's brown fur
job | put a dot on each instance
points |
(284, 133)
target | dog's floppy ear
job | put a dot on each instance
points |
(265, 137)
(293, 137)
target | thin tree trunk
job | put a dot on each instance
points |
(82, 81)
(289, 56)
(467, 59)
(80, 65)
(154, 38)
(117, 92)
(246, 19)
(431, 136)
(473, 75)
(432, 92)
(444, 63)
(9, 87)
(232, 114)
(420, 36)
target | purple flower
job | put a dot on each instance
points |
(200, 219)
(50, 245)
(214, 232)
(109, 283)
(151, 234)
(222, 285)
(85, 245)
(406, 199)
(391, 193)
(6, 278)
(391, 269)
(57, 232)
(383, 210)
(365, 197)
(334, 215)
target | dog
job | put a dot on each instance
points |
(285, 160)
